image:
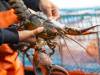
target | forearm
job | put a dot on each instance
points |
(14, 36)
(8, 36)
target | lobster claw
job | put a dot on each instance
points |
(73, 31)
(86, 31)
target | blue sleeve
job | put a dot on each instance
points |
(33, 4)
(8, 36)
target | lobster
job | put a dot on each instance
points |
(52, 29)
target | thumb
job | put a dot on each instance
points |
(38, 30)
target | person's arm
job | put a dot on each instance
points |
(8, 36)
(13, 36)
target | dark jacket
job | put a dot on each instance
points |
(33, 4)
(9, 35)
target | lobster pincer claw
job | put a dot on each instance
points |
(76, 31)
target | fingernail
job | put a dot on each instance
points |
(40, 29)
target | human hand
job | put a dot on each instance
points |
(49, 9)
(27, 35)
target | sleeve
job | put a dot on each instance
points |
(33, 4)
(8, 36)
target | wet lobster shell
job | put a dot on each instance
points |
(50, 30)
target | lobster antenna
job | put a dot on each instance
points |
(70, 52)
(60, 51)
(77, 43)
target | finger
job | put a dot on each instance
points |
(48, 12)
(38, 30)
(55, 14)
